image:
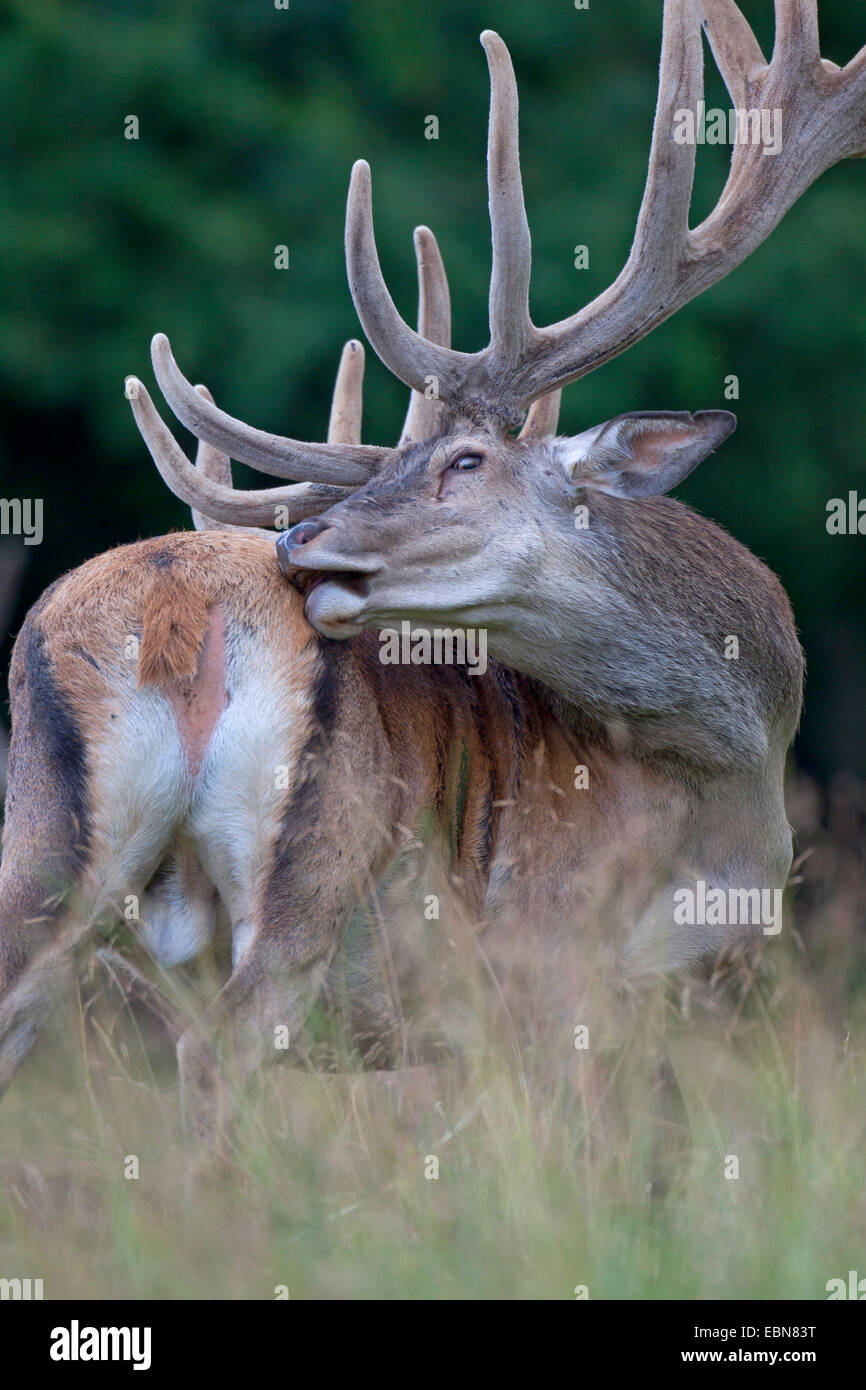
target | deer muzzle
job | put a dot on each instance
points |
(334, 586)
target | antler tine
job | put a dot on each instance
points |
(216, 466)
(434, 324)
(261, 507)
(645, 291)
(347, 404)
(543, 417)
(460, 377)
(434, 297)
(735, 48)
(663, 220)
(796, 44)
(511, 330)
(411, 358)
(285, 458)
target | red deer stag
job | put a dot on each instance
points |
(664, 646)
(612, 636)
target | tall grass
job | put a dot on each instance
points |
(610, 1167)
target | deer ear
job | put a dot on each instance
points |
(643, 455)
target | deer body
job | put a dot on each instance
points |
(201, 753)
(241, 766)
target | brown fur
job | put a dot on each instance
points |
(173, 626)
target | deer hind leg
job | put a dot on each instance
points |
(85, 828)
(47, 844)
(36, 879)
(292, 864)
(309, 928)
(259, 1011)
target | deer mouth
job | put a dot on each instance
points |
(334, 590)
(335, 602)
(333, 599)
(306, 581)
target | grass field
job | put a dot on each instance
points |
(558, 1166)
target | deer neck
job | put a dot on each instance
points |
(664, 634)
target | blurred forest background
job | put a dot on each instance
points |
(249, 119)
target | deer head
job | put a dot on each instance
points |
(469, 520)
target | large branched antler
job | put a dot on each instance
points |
(823, 120)
(307, 498)
(458, 377)
(207, 486)
(823, 111)
(204, 488)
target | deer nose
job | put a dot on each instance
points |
(298, 535)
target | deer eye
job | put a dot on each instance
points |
(464, 463)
